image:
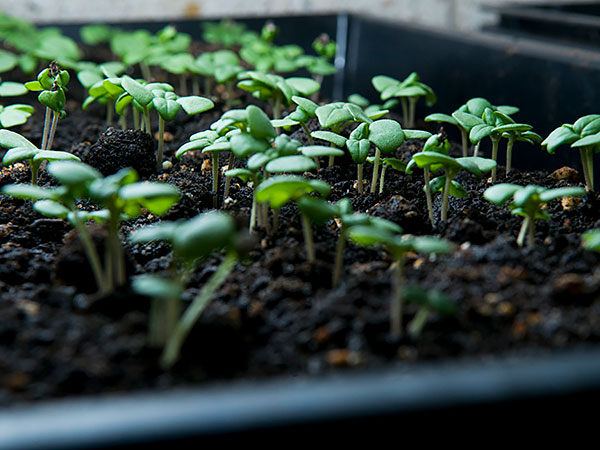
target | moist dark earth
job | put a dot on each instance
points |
(277, 314)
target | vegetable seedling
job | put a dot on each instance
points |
(434, 161)
(20, 149)
(336, 141)
(192, 241)
(281, 189)
(429, 302)
(583, 135)
(408, 90)
(398, 246)
(305, 110)
(52, 83)
(276, 89)
(527, 201)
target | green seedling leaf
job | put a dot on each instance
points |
(51, 208)
(439, 117)
(552, 194)
(195, 105)
(27, 191)
(467, 120)
(307, 105)
(243, 145)
(281, 189)
(18, 154)
(481, 164)
(581, 123)
(156, 287)
(12, 89)
(456, 189)
(293, 164)
(140, 93)
(73, 173)
(416, 134)
(204, 234)
(167, 109)
(54, 155)
(560, 136)
(244, 174)
(319, 211)
(328, 136)
(259, 123)
(305, 86)
(157, 198)
(479, 132)
(386, 134)
(55, 100)
(500, 193)
(587, 141)
(317, 151)
(425, 159)
(359, 149)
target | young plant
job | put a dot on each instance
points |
(337, 141)
(222, 65)
(52, 83)
(373, 111)
(528, 201)
(408, 91)
(429, 302)
(227, 33)
(305, 110)
(13, 115)
(281, 189)
(398, 246)
(433, 161)
(583, 135)
(192, 241)
(276, 89)
(21, 149)
(120, 195)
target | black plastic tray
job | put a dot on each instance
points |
(552, 84)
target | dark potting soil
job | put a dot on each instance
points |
(276, 313)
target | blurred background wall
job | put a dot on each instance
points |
(460, 15)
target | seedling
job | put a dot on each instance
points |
(434, 161)
(583, 135)
(21, 149)
(305, 110)
(394, 163)
(192, 241)
(166, 103)
(281, 189)
(337, 116)
(408, 91)
(96, 34)
(496, 125)
(52, 83)
(227, 33)
(13, 115)
(398, 246)
(104, 90)
(334, 139)
(373, 111)
(527, 201)
(320, 66)
(278, 90)
(429, 302)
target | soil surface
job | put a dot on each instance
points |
(276, 313)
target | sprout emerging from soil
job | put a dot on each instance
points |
(379, 234)
(120, 195)
(527, 201)
(52, 83)
(281, 189)
(276, 89)
(429, 302)
(583, 135)
(408, 91)
(192, 241)
(20, 149)
(432, 161)
(305, 110)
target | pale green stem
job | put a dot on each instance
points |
(136, 118)
(46, 130)
(277, 108)
(90, 251)
(446, 194)
(331, 160)
(53, 127)
(428, 195)
(35, 169)
(495, 142)
(147, 126)
(228, 179)
(591, 167)
(339, 258)
(359, 186)
(161, 142)
(123, 120)
(476, 151)
(308, 239)
(463, 135)
(405, 119)
(509, 149)
(195, 85)
(412, 107)
(523, 231)
(191, 315)
(382, 178)
(110, 109)
(375, 170)
(163, 317)
(228, 94)
(215, 178)
(418, 322)
(146, 73)
(310, 139)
